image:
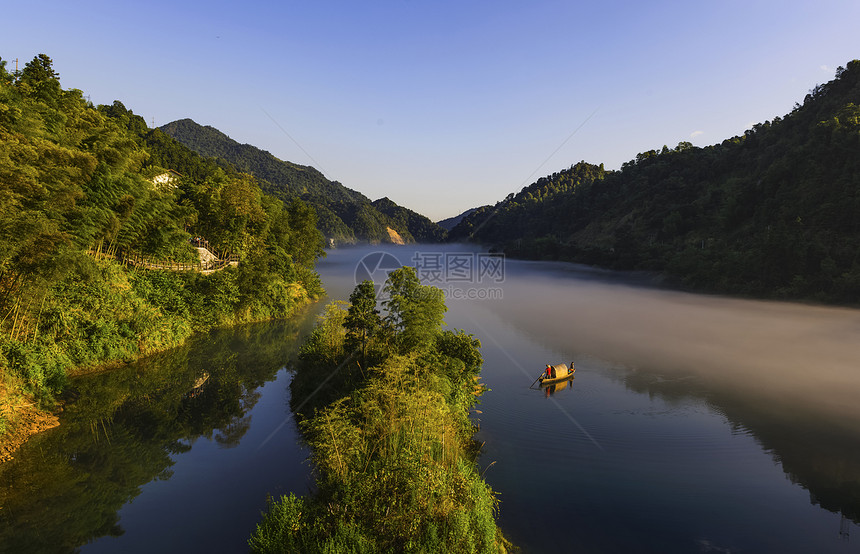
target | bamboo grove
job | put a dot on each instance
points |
(79, 194)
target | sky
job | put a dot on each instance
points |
(443, 106)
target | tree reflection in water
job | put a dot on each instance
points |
(123, 428)
(820, 453)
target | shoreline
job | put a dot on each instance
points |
(29, 420)
(20, 413)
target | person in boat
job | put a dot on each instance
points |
(548, 371)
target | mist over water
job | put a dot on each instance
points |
(694, 423)
(807, 355)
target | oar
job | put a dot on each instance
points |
(538, 379)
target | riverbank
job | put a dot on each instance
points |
(114, 317)
(21, 418)
(20, 414)
(124, 430)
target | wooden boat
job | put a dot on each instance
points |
(556, 373)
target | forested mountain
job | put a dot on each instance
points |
(773, 213)
(343, 214)
(295, 179)
(421, 227)
(80, 208)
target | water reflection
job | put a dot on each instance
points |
(787, 373)
(554, 388)
(124, 428)
(820, 454)
(676, 397)
(806, 354)
(684, 393)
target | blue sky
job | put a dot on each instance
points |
(443, 106)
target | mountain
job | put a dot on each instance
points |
(421, 227)
(344, 215)
(772, 213)
(452, 222)
(293, 178)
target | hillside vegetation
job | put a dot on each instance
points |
(78, 197)
(772, 213)
(343, 214)
(383, 401)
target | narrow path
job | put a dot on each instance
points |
(208, 261)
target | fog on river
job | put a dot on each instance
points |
(694, 422)
(803, 354)
(793, 352)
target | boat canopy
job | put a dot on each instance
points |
(558, 370)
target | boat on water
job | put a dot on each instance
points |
(556, 373)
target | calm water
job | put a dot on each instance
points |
(176, 453)
(694, 423)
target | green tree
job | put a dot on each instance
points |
(39, 77)
(362, 319)
(241, 215)
(392, 450)
(5, 76)
(415, 311)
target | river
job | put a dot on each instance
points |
(694, 423)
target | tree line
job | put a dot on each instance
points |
(78, 180)
(771, 213)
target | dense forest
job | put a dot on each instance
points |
(772, 213)
(81, 198)
(389, 431)
(345, 215)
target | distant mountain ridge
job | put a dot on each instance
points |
(452, 222)
(345, 215)
(774, 213)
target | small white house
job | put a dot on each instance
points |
(168, 179)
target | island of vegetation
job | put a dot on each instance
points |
(384, 404)
(97, 218)
(771, 214)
